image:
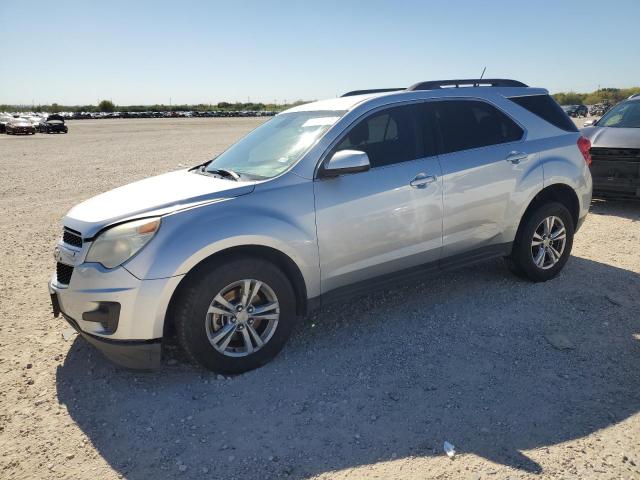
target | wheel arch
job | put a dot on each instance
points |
(557, 192)
(277, 257)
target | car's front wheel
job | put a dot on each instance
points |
(235, 316)
(543, 244)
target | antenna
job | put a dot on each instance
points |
(483, 70)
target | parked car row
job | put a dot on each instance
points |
(30, 124)
(599, 109)
(596, 110)
(37, 118)
(159, 114)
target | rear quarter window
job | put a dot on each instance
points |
(548, 109)
(467, 124)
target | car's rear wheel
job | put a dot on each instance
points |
(236, 316)
(543, 244)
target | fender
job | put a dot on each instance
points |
(187, 237)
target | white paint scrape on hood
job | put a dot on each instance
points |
(152, 196)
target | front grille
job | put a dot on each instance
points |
(63, 273)
(72, 238)
(615, 154)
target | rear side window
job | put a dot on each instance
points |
(545, 107)
(388, 137)
(466, 124)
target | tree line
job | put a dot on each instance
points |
(109, 106)
(611, 95)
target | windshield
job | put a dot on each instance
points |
(276, 145)
(623, 115)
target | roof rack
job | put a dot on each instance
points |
(437, 84)
(372, 90)
(470, 82)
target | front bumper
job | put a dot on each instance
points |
(130, 334)
(54, 129)
(622, 187)
(138, 354)
(615, 172)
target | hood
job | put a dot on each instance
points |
(152, 196)
(612, 137)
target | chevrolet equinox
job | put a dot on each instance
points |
(324, 201)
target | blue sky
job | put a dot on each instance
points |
(143, 52)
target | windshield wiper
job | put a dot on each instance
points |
(223, 172)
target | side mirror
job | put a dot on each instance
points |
(589, 123)
(345, 161)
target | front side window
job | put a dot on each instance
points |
(623, 115)
(276, 145)
(387, 137)
(466, 124)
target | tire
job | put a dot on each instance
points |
(522, 262)
(196, 326)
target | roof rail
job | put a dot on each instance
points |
(470, 82)
(373, 90)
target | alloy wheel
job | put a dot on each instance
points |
(548, 243)
(242, 318)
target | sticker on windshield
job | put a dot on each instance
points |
(320, 121)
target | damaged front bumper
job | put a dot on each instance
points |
(136, 354)
(121, 315)
(615, 172)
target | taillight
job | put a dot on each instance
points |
(584, 145)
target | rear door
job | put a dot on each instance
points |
(388, 218)
(484, 159)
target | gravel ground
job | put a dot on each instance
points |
(526, 380)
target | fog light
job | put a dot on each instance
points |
(107, 314)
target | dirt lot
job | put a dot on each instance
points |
(526, 380)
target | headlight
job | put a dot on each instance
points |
(118, 244)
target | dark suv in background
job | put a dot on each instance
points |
(53, 124)
(576, 110)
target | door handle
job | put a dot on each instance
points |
(516, 157)
(421, 180)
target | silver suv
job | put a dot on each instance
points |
(324, 201)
